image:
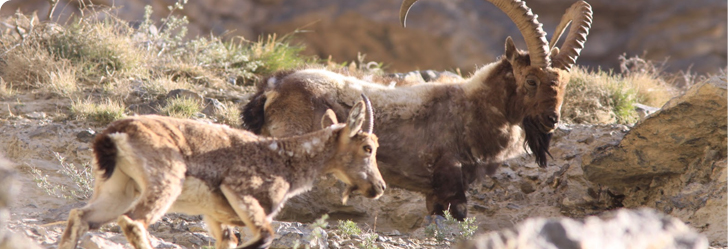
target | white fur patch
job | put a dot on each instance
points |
(273, 146)
(272, 82)
(307, 147)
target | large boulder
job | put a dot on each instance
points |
(448, 34)
(643, 228)
(674, 161)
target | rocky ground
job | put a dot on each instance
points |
(674, 162)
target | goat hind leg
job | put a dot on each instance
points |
(154, 201)
(253, 215)
(224, 234)
(111, 198)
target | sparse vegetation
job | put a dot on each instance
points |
(80, 176)
(348, 228)
(450, 229)
(607, 97)
(96, 63)
(317, 228)
(103, 113)
(182, 107)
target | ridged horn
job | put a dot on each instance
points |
(404, 9)
(369, 118)
(524, 19)
(579, 15)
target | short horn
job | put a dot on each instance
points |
(579, 15)
(369, 128)
(404, 9)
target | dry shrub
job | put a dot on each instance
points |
(229, 115)
(163, 84)
(62, 81)
(103, 112)
(602, 97)
(26, 67)
(6, 89)
(182, 107)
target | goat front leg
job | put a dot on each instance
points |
(224, 235)
(448, 190)
(253, 215)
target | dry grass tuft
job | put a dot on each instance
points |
(162, 85)
(6, 89)
(62, 82)
(103, 113)
(182, 108)
(601, 97)
(229, 115)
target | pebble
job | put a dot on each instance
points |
(85, 136)
(36, 115)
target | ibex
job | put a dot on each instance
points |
(435, 138)
(149, 165)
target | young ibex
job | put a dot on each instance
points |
(435, 138)
(150, 165)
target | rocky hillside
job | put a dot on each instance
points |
(454, 33)
(673, 162)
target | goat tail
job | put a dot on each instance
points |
(254, 113)
(105, 151)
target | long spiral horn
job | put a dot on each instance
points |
(524, 19)
(579, 15)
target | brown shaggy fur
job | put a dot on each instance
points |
(434, 138)
(149, 165)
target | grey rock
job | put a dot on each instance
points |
(213, 107)
(644, 110)
(36, 115)
(684, 127)
(184, 93)
(289, 234)
(89, 241)
(643, 228)
(85, 136)
(674, 161)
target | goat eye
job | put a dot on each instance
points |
(367, 149)
(531, 80)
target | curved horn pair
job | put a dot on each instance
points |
(369, 118)
(533, 33)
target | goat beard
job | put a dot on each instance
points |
(537, 140)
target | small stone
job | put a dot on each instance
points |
(36, 115)
(91, 241)
(213, 107)
(183, 93)
(196, 227)
(85, 136)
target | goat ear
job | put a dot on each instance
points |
(511, 50)
(356, 118)
(328, 119)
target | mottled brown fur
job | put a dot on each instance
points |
(434, 138)
(150, 165)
